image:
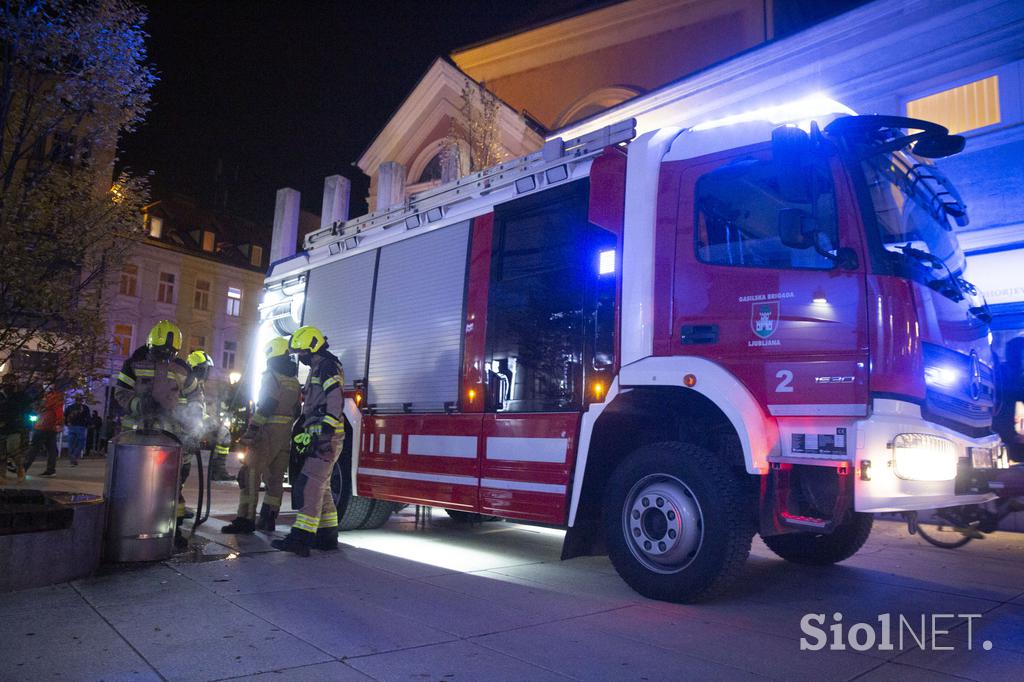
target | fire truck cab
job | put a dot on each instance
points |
(667, 344)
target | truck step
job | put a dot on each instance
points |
(806, 522)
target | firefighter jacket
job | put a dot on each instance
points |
(279, 398)
(152, 390)
(199, 424)
(323, 396)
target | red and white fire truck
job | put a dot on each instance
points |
(665, 344)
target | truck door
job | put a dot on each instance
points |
(550, 291)
(785, 318)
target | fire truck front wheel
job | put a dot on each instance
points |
(821, 550)
(678, 522)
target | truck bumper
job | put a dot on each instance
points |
(878, 488)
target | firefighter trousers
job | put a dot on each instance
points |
(268, 462)
(317, 509)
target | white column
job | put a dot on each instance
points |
(390, 185)
(336, 196)
(286, 224)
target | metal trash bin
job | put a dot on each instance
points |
(143, 478)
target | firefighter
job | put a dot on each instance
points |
(322, 437)
(151, 387)
(268, 440)
(201, 423)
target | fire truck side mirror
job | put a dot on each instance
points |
(796, 228)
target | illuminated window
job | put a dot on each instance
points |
(129, 280)
(228, 358)
(196, 342)
(234, 302)
(256, 257)
(201, 300)
(208, 241)
(156, 227)
(123, 339)
(966, 107)
(165, 289)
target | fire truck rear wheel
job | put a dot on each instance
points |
(678, 522)
(821, 550)
(379, 514)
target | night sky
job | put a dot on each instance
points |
(285, 93)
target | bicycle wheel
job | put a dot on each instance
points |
(944, 535)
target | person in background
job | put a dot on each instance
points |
(198, 423)
(76, 419)
(47, 429)
(14, 409)
(1008, 420)
(95, 433)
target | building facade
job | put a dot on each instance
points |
(202, 270)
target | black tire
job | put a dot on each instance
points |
(380, 512)
(357, 511)
(469, 517)
(678, 522)
(815, 549)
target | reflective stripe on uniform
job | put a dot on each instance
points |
(280, 419)
(125, 379)
(144, 372)
(314, 380)
(306, 523)
(244, 499)
(173, 375)
(271, 501)
(259, 419)
(329, 520)
(332, 422)
(221, 449)
(332, 382)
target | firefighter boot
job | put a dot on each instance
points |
(268, 519)
(297, 542)
(239, 526)
(326, 539)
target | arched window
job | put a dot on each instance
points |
(432, 171)
(595, 102)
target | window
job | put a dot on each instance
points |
(256, 256)
(196, 342)
(966, 107)
(228, 359)
(432, 171)
(234, 302)
(165, 289)
(123, 340)
(129, 280)
(156, 227)
(739, 207)
(208, 241)
(548, 303)
(201, 300)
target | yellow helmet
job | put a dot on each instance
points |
(275, 348)
(307, 338)
(164, 333)
(199, 357)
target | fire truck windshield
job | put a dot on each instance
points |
(912, 205)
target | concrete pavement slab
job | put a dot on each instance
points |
(339, 622)
(49, 597)
(976, 665)
(585, 651)
(335, 671)
(905, 673)
(208, 639)
(148, 583)
(459, 660)
(247, 574)
(762, 653)
(72, 642)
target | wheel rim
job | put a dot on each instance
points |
(663, 523)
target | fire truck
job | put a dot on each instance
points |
(665, 343)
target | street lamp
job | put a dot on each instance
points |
(234, 377)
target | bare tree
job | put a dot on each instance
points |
(73, 77)
(475, 130)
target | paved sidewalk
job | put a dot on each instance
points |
(493, 602)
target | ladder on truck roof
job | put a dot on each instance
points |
(432, 205)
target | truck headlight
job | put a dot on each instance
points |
(924, 457)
